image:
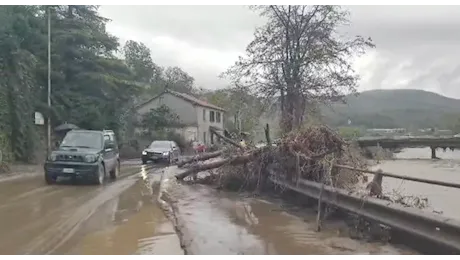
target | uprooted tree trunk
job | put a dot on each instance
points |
(226, 139)
(241, 159)
(200, 157)
(204, 167)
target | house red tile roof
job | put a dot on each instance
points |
(194, 100)
(186, 97)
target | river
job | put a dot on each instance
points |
(416, 162)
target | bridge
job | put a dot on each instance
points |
(411, 142)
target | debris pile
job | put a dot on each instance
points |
(308, 154)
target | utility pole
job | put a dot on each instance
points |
(49, 82)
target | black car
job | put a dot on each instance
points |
(166, 151)
(84, 155)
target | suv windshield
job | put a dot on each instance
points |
(160, 144)
(82, 140)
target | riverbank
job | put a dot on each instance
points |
(209, 221)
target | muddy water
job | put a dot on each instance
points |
(416, 162)
(120, 217)
(213, 222)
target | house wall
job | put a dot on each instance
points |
(189, 114)
(205, 123)
(190, 133)
(185, 110)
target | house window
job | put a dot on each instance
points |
(211, 116)
(204, 114)
(218, 117)
(204, 137)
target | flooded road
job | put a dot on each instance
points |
(123, 217)
(120, 217)
(416, 162)
(213, 222)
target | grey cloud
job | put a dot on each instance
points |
(223, 27)
(416, 43)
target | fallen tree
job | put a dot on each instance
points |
(200, 157)
(226, 139)
(304, 154)
(208, 166)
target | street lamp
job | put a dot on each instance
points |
(49, 82)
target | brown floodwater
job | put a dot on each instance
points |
(416, 162)
(123, 217)
(214, 222)
(120, 217)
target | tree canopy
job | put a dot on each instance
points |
(91, 86)
(300, 57)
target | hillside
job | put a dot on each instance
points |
(393, 108)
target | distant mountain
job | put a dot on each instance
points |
(393, 108)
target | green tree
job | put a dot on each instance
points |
(350, 132)
(298, 56)
(243, 109)
(91, 87)
(179, 80)
(138, 58)
(158, 120)
(20, 30)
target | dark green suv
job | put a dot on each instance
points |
(84, 155)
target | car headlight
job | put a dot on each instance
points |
(90, 158)
(144, 153)
(52, 157)
(165, 153)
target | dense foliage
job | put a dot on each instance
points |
(92, 86)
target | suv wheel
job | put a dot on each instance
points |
(100, 175)
(170, 160)
(116, 171)
(49, 180)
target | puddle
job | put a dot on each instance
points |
(132, 223)
(214, 222)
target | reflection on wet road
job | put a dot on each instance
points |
(120, 217)
(215, 222)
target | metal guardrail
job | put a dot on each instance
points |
(402, 177)
(386, 142)
(443, 232)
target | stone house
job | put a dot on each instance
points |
(195, 115)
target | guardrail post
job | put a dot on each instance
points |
(375, 186)
(433, 152)
(297, 169)
(319, 216)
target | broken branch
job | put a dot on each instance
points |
(200, 157)
(226, 139)
(204, 167)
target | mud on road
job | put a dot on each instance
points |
(210, 221)
(120, 217)
(124, 217)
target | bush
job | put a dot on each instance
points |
(5, 153)
(350, 133)
(181, 142)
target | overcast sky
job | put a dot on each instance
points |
(416, 46)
